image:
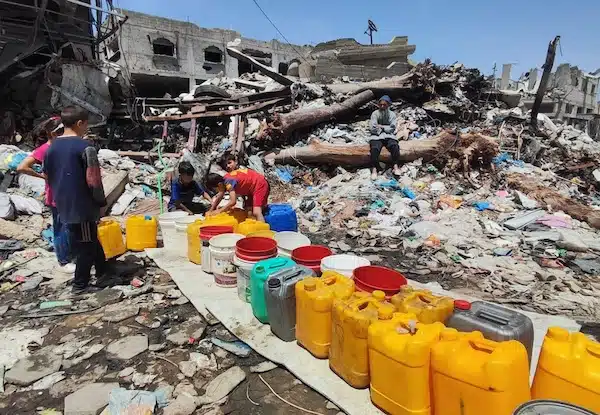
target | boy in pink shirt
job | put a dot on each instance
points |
(50, 130)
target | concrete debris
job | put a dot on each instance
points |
(222, 385)
(127, 348)
(263, 367)
(183, 405)
(90, 399)
(116, 313)
(190, 330)
(33, 368)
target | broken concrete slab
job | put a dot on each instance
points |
(188, 368)
(222, 385)
(183, 405)
(104, 297)
(265, 70)
(34, 367)
(263, 367)
(114, 186)
(116, 313)
(190, 329)
(89, 400)
(128, 347)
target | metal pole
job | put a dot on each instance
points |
(88, 5)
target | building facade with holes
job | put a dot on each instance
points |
(170, 56)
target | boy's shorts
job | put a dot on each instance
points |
(260, 197)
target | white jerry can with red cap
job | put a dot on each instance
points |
(494, 322)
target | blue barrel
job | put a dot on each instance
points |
(281, 217)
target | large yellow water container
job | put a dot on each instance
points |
(238, 214)
(568, 369)
(314, 300)
(351, 318)
(252, 225)
(399, 363)
(111, 238)
(263, 234)
(193, 233)
(427, 307)
(140, 232)
(474, 376)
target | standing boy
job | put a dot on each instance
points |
(383, 134)
(183, 190)
(241, 182)
(73, 172)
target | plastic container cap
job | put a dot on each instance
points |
(462, 305)
(274, 283)
(310, 285)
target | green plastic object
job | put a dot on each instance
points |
(258, 276)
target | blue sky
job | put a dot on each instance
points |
(474, 32)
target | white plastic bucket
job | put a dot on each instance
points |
(167, 227)
(288, 241)
(343, 264)
(222, 251)
(180, 241)
(244, 268)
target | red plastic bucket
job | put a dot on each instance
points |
(256, 248)
(310, 256)
(371, 278)
(209, 231)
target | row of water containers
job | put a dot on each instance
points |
(420, 353)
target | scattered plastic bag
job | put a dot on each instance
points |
(7, 210)
(32, 184)
(26, 205)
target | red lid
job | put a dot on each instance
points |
(462, 304)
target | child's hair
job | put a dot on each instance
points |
(186, 168)
(47, 127)
(213, 180)
(226, 158)
(70, 115)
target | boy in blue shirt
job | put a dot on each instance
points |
(183, 190)
(73, 173)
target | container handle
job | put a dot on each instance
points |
(493, 318)
(278, 263)
(293, 275)
(594, 348)
(482, 345)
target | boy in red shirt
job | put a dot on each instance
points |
(249, 184)
(50, 130)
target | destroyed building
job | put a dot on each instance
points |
(49, 59)
(170, 56)
(572, 98)
(347, 57)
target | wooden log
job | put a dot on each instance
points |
(467, 147)
(551, 197)
(285, 124)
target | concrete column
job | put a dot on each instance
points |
(533, 77)
(191, 66)
(505, 81)
(192, 82)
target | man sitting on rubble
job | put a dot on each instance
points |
(183, 190)
(383, 130)
(73, 172)
(244, 182)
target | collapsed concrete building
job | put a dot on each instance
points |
(170, 56)
(572, 96)
(347, 57)
(49, 58)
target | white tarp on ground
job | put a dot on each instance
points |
(237, 317)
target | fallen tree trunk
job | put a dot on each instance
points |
(465, 149)
(284, 124)
(551, 197)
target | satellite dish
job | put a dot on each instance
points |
(372, 26)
